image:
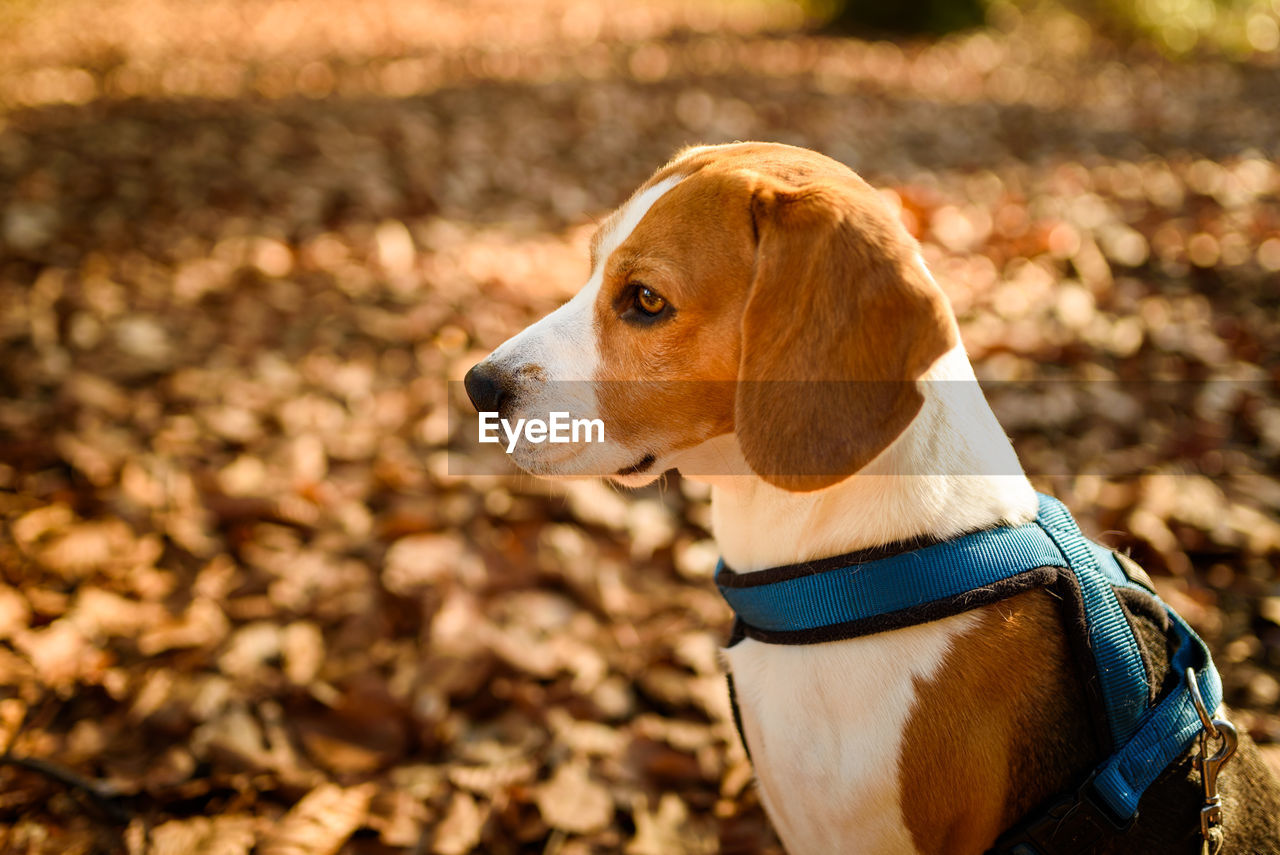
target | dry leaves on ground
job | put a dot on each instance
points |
(246, 599)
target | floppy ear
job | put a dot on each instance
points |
(839, 324)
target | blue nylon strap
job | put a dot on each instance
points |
(1166, 729)
(1115, 651)
(861, 591)
(1145, 740)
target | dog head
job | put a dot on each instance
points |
(757, 291)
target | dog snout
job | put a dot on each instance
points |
(488, 387)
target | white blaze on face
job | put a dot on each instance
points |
(563, 347)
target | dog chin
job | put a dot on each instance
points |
(637, 479)
(622, 466)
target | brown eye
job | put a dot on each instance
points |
(649, 302)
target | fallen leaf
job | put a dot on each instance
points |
(571, 801)
(459, 831)
(221, 835)
(321, 822)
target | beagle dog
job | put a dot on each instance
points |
(731, 300)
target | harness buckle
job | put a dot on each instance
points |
(1210, 766)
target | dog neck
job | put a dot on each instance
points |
(951, 471)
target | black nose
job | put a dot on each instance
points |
(487, 387)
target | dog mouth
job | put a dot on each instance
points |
(642, 466)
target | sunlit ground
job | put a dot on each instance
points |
(244, 245)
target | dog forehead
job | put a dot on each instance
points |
(699, 164)
(697, 174)
(703, 206)
(679, 215)
(623, 221)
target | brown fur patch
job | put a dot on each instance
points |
(1005, 726)
(994, 733)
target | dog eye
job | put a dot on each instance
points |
(649, 302)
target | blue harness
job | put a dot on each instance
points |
(832, 599)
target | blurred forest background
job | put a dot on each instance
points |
(244, 604)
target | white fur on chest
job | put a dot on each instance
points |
(825, 725)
